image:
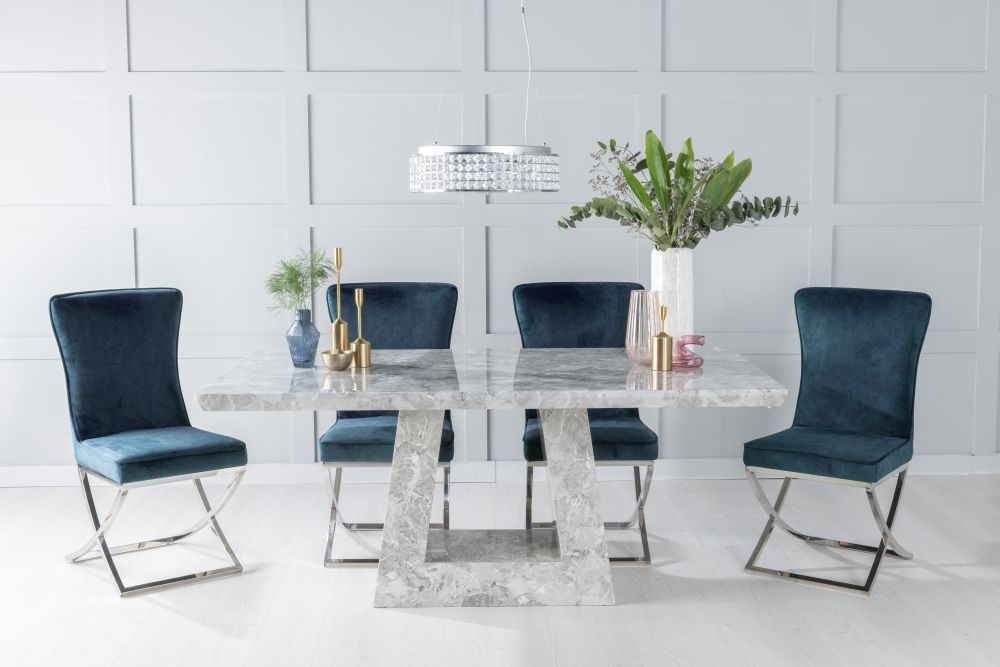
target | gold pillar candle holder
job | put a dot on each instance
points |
(341, 335)
(362, 349)
(662, 346)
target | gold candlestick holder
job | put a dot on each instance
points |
(662, 346)
(362, 349)
(341, 334)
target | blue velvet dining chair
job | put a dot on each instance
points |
(129, 423)
(397, 315)
(853, 421)
(563, 314)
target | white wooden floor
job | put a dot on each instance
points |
(695, 605)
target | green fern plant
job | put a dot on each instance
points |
(674, 203)
(294, 280)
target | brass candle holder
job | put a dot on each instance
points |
(340, 331)
(662, 347)
(362, 349)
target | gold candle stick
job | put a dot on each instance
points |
(662, 346)
(340, 331)
(362, 349)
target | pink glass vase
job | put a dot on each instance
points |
(685, 358)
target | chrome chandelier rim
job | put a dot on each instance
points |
(453, 149)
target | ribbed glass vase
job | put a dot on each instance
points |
(303, 339)
(643, 307)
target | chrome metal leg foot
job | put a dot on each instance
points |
(638, 517)
(446, 509)
(101, 528)
(530, 472)
(642, 487)
(529, 492)
(88, 551)
(337, 517)
(884, 525)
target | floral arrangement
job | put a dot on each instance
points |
(672, 202)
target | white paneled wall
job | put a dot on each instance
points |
(208, 149)
(194, 143)
(726, 36)
(52, 36)
(198, 36)
(54, 150)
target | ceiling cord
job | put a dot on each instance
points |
(447, 49)
(527, 90)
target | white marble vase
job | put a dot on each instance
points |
(672, 276)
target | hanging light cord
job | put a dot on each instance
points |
(527, 90)
(447, 50)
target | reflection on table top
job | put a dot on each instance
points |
(495, 378)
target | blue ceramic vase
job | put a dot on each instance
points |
(303, 338)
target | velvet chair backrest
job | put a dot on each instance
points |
(397, 316)
(860, 349)
(574, 315)
(119, 352)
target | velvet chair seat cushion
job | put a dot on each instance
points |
(138, 456)
(827, 452)
(371, 440)
(614, 439)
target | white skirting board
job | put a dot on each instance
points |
(508, 472)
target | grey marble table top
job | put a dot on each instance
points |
(495, 378)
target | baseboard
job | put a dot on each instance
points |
(508, 472)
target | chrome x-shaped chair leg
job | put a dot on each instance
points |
(638, 514)
(102, 526)
(884, 525)
(333, 487)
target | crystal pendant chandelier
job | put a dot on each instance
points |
(487, 168)
(484, 168)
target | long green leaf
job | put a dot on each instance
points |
(656, 161)
(636, 187)
(723, 188)
(715, 192)
(740, 172)
(684, 169)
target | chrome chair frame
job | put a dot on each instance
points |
(774, 518)
(96, 545)
(638, 514)
(336, 516)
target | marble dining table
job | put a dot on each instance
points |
(424, 567)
